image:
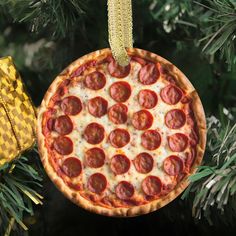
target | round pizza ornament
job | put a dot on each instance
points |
(121, 141)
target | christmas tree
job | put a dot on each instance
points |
(44, 36)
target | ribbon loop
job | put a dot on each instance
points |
(120, 29)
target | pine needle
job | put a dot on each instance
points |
(18, 184)
(214, 184)
(219, 30)
(57, 16)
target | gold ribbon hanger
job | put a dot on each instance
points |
(120, 28)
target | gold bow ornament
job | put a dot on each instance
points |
(17, 114)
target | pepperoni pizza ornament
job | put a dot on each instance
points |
(121, 141)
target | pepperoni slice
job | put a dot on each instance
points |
(175, 119)
(147, 98)
(186, 100)
(166, 188)
(149, 74)
(178, 142)
(173, 165)
(170, 78)
(163, 69)
(142, 120)
(120, 164)
(171, 94)
(50, 124)
(97, 106)
(119, 138)
(94, 133)
(95, 80)
(194, 136)
(190, 156)
(140, 60)
(120, 91)
(97, 183)
(63, 145)
(95, 157)
(79, 71)
(71, 105)
(152, 186)
(118, 113)
(143, 163)
(63, 125)
(116, 70)
(72, 167)
(62, 89)
(151, 140)
(124, 190)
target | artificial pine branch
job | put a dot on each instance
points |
(60, 17)
(18, 184)
(219, 29)
(213, 187)
(209, 23)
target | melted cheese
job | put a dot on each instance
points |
(134, 147)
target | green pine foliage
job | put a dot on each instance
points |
(211, 24)
(213, 187)
(219, 30)
(19, 182)
(57, 17)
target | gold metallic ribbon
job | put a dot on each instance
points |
(120, 29)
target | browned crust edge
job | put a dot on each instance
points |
(137, 210)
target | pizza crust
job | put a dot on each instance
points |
(137, 210)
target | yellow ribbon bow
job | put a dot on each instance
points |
(17, 114)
